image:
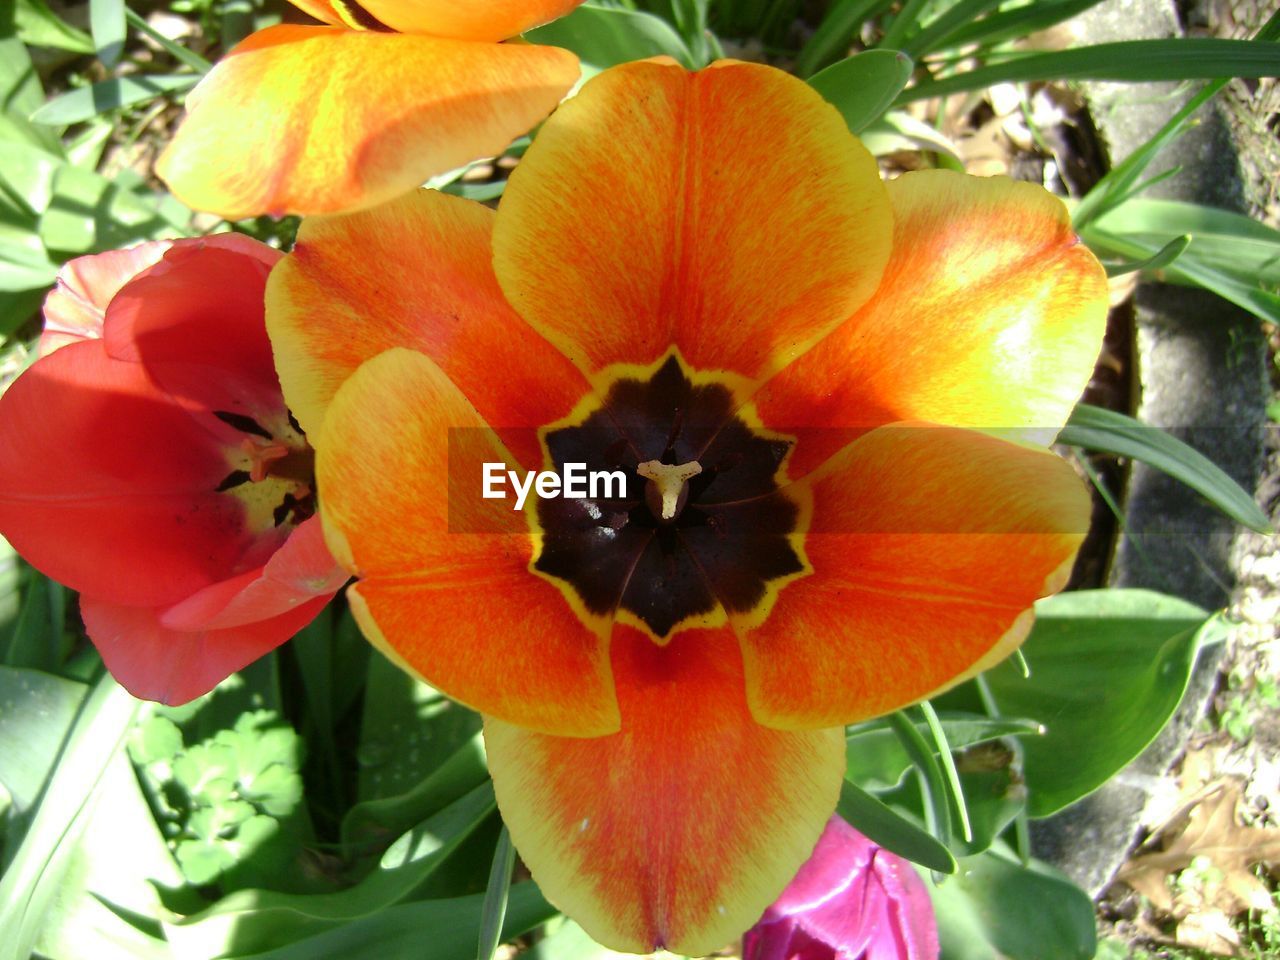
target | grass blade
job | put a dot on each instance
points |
(1097, 429)
(87, 102)
(1133, 61)
(493, 911)
(107, 24)
(883, 825)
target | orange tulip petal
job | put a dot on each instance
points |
(300, 119)
(651, 210)
(678, 831)
(990, 314)
(415, 272)
(445, 583)
(472, 20)
(155, 662)
(929, 546)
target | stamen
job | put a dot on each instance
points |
(668, 483)
(260, 454)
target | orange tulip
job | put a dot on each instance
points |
(315, 119)
(697, 280)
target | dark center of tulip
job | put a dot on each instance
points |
(703, 529)
(273, 470)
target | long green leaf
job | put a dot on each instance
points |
(1097, 429)
(427, 930)
(1131, 61)
(494, 909)
(88, 102)
(933, 784)
(106, 21)
(863, 86)
(1015, 23)
(39, 26)
(831, 40)
(33, 877)
(883, 825)
(253, 920)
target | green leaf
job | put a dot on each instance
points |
(1230, 254)
(36, 711)
(249, 921)
(20, 96)
(1108, 668)
(891, 830)
(831, 40)
(409, 730)
(1170, 252)
(427, 930)
(1133, 61)
(176, 50)
(108, 892)
(38, 26)
(106, 21)
(862, 87)
(1097, 429)
(994, 908)
(493, 911)
(88, 102)
(1014, 23)
(933, 784)
(35, 874)
(373, 822)
(606, 36)
(897, 130)
(877, 760)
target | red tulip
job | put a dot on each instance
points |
(852, 900)
(148, 460)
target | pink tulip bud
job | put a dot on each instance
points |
(852, 900)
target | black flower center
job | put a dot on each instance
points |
(703, 529)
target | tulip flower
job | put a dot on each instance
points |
(148, 461)
(382, 95)
(691, 270)
(852, 900)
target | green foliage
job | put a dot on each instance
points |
(996, 908)
(1108, 668)
(863, 87)
(1094, 428)
(227, 803)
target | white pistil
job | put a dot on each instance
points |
(669, 479)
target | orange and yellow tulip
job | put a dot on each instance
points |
(692, 270)
(386, 93)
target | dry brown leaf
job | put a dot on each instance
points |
(1210, 830)
(1210, 930)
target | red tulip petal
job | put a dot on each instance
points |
(416, 273)
(75, 307)
(301, 570)
(195, 322)
(651, 211)
(108, 487)
(990, 314)
(445, 582)
(928, 546)
(679, 830)
(310, 119)
(154, 662)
